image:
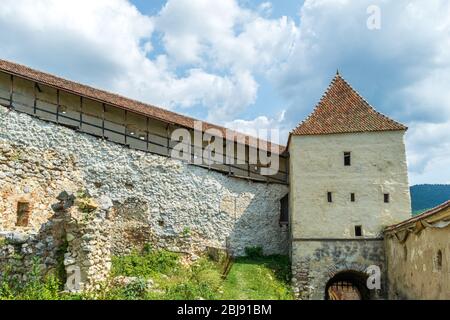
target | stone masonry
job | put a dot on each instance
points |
(156, 200)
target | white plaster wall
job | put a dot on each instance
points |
(317, 166)
(181, 199)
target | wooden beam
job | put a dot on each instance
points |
(58, 105)
(146, 133)
(81, 112)
(35, 99)
(11, 92)
(126, 126)
(103, 120)
(168, 139)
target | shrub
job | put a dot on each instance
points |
(145, 264)
(135, 290)
(36, 286)
(254, 252)
(3, 242)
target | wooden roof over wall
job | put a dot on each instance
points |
(121, 102)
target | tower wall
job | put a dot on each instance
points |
(323, 233)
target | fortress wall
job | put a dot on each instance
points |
(157, 200)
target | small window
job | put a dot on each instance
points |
(358, 231)
(347, 159)
(352, 197)
(284, 215)
(23, 214)
(330, 197)
(439, 260)
(386, 198)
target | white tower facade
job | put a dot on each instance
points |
(348, 180)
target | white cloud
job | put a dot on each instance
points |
(429, 152)
(262, 127)
(403, 69)
(212, 49)
(229, 40)
(89, 40)
(221, 34)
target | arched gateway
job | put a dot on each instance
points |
(347, 285)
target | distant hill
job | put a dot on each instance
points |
(426, 196)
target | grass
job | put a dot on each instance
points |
(37, 287)
(258, 278)
(253, 277)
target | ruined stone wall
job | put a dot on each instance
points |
(157, 200)
(419, 266)
(20, 253)
(74, 244)
(314, 263)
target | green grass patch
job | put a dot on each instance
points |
(36, 286)
(147, 264)
(253, 277)
(259, 278)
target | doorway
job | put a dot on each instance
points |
(347, 285)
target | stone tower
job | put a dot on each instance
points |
(348, 180)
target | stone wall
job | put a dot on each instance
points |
(159, 200)
(315, 263)
(74, 244)
(20, 253)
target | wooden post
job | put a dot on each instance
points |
(248, 160)
(126, 126)
(81, 112)
(103, 120)
(58, 105)
(11, 92)
(168, 139)
(146, 133)
(35, 99)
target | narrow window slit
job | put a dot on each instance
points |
(23, 213)
(358, 231)
(347, 159)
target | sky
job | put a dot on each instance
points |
(249, 64)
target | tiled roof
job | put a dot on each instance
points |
(111, 98)
(343, 110)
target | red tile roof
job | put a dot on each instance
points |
(343, 110)
(113, 99)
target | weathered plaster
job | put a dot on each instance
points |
(413, 270)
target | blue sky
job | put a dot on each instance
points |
(251, 64)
